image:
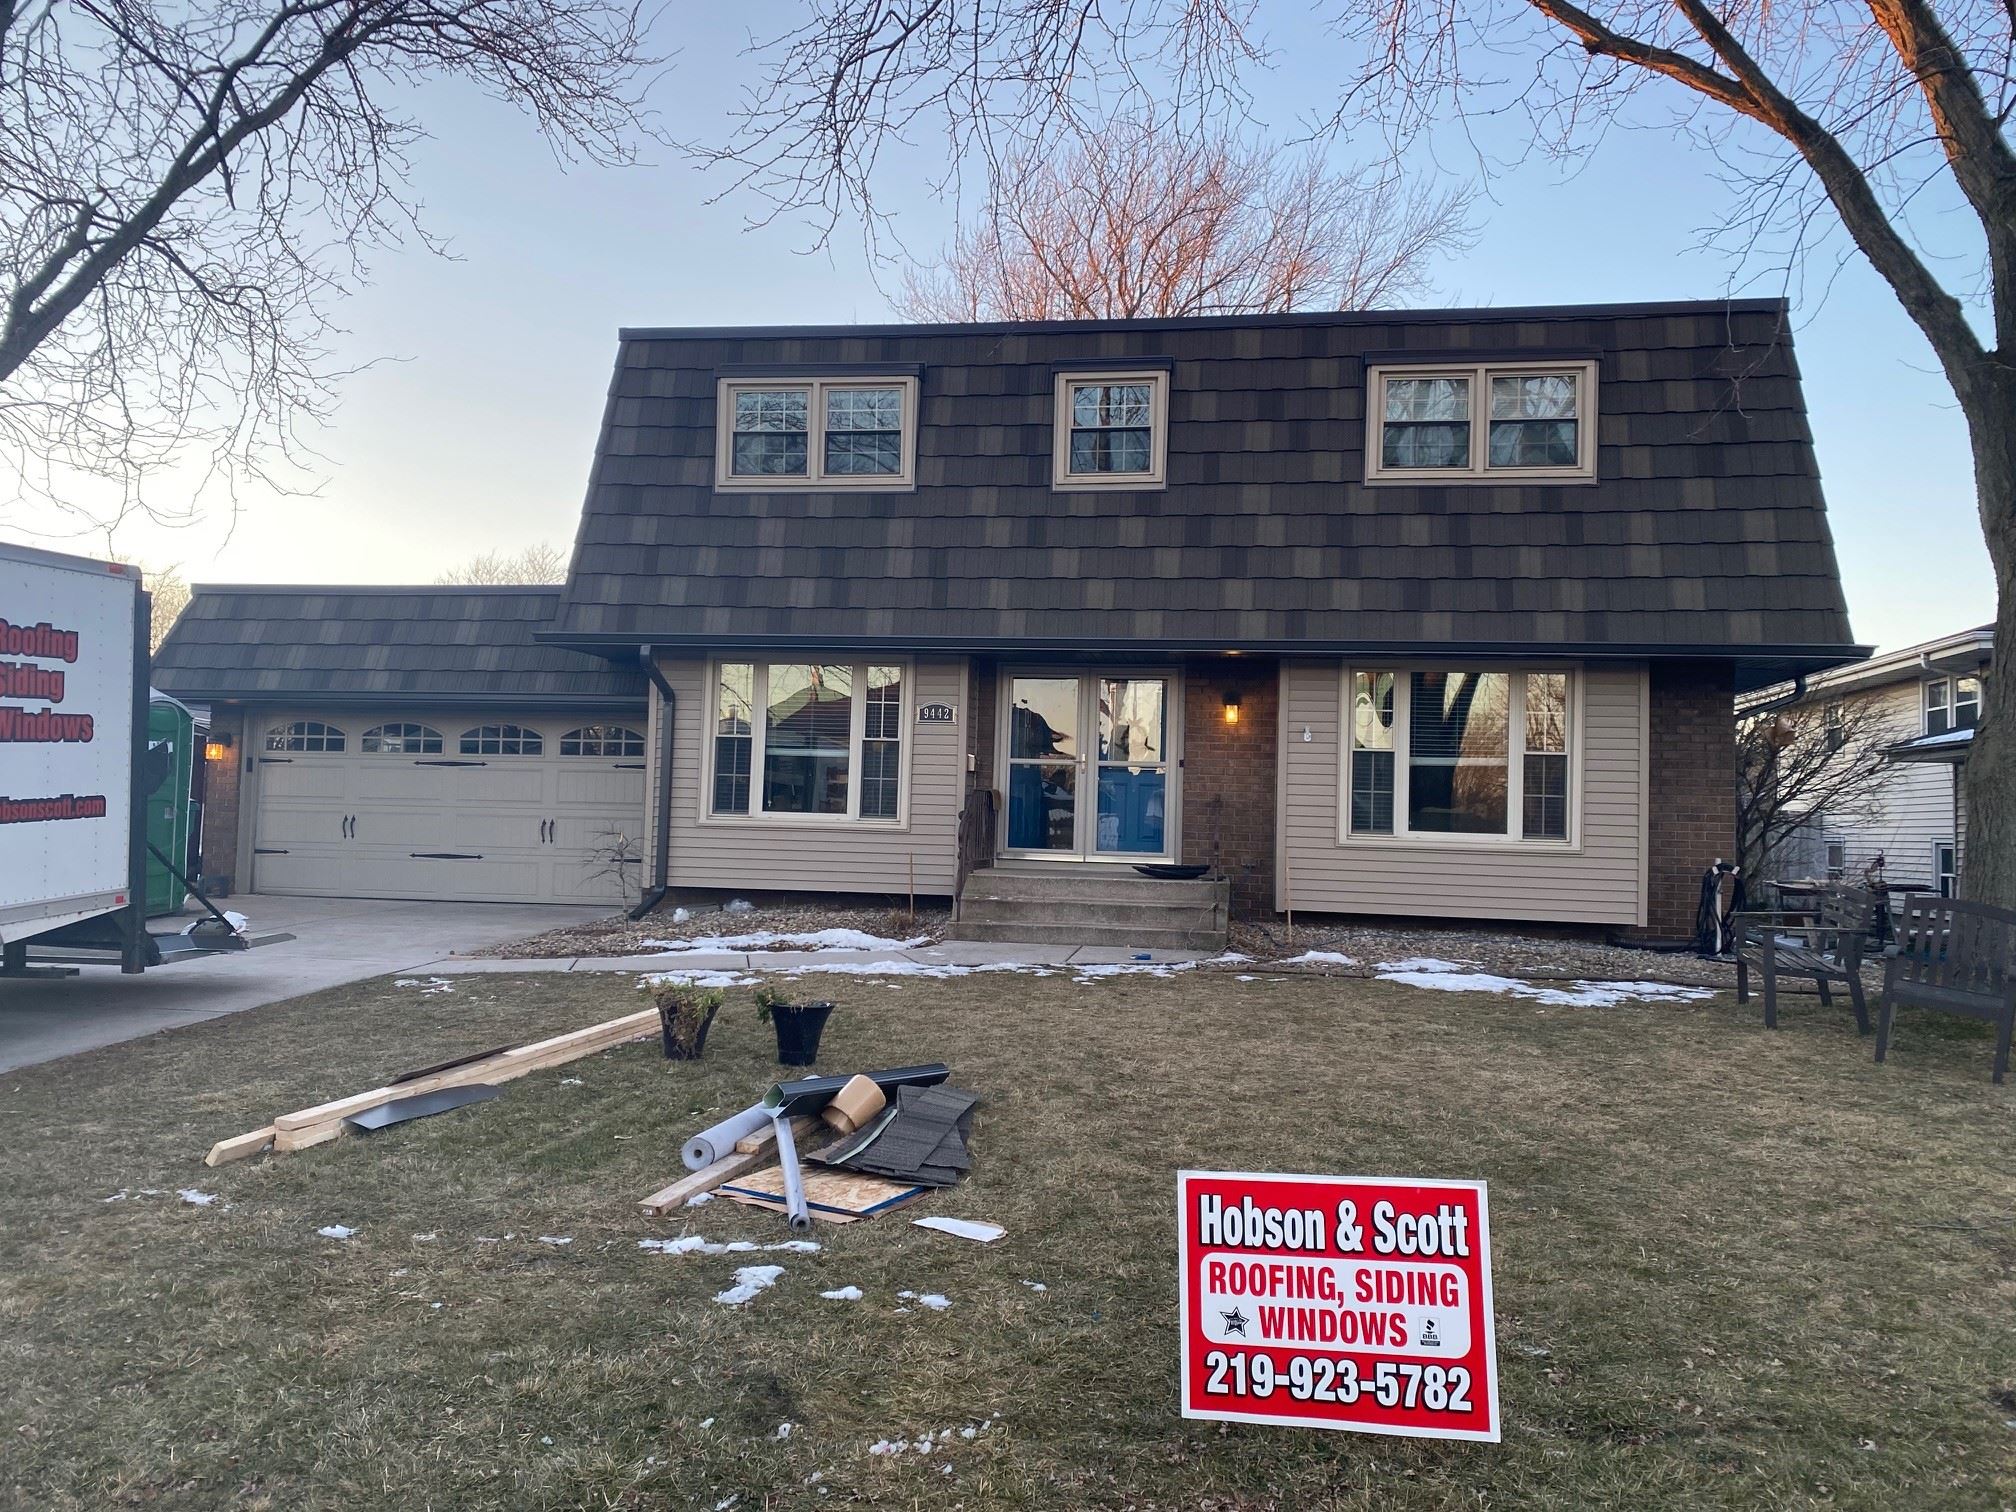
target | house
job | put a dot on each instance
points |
(1919, 707)
(1430, 614)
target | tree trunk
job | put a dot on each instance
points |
(1988, 867)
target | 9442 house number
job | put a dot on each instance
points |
(1309, 1378)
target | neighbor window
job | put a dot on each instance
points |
(1834, 726)
(1952, 704)
(305, 735)
(808, 738)
(502, 740)
(817, 433)
(1946, 868)
(1837, 860)
(1458, 753)
(1503, 422)
(1111, 430)
(402, 740)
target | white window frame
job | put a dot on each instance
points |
(759, 721)
(1831, 870)
(1940, 873)
(1950, 687)
(1062, 479)
(815, 478)
(1480, 376)
(1515, 755)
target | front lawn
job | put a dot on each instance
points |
(1733, 1268)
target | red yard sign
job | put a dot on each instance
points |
(1353, 1302)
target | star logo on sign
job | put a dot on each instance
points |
(1235, 1322)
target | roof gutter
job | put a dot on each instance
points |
(661, 840)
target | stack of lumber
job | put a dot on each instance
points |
(324, 1122)
(756, 1150)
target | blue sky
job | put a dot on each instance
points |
(474, 429)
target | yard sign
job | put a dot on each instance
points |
(1353, 1302)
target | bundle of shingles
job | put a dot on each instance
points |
(919, 1138)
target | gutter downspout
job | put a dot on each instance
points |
(661, 841)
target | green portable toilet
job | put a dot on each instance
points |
(171, 748)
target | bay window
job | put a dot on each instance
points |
(1457, 754)
(817, 740)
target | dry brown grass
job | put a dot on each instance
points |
(1733, 1268)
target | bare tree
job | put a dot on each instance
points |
(1138, 217)
(185, 188)
(1795, 765)
(541, 562)
(1884, 121)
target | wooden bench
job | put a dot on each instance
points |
(1824, 943)
(1957, 958)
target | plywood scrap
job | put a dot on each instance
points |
(239, 1147)
(833, 1191)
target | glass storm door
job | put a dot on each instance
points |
(1088, 767)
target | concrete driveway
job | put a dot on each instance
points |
(336, 940)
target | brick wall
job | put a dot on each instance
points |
(1693, 787)
(222, 783)
(1229, 772)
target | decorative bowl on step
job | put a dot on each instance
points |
(1171, 873)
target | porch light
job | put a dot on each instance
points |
(1231, 708)
(217, 748)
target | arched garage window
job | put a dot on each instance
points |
(304, 735)
(502, 740)
(602, 740)
(402, 740)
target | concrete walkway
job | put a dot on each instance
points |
(336, 940)
(953, 953)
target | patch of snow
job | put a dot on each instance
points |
(436, 1306)
(1442, 976)
(1320, 958)
(118, 1196)
(706, 1422)
(727, 1501)
(335, 1231)
(783, 1432)
(1035, 1286)
(1422, 963)
(738, 905)
(697, 979)
(571, 1081)
(935, 1301)
(771, 939)
(195, 1198)
(426, 1238)
(1245, 976)
(432, 986)
(1230, 958)
(698, 1244)
(1131, 968)
(967, 1433)
(556, 1240)
(750, 1280)
(699, 1199)
(843, 1294)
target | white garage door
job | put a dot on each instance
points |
(489, 807)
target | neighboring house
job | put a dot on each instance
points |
(1928, 700)
(1417, 614)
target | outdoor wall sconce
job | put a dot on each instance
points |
(217, 748)
(1231, 708)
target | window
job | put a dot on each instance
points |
(402, 740)
(305, 735)
(808, 739)
(817, 433)
(1501, 423)
(502, 740)
(1952, 704)
(1111, 430)
(1459, 755)
(602, 740)
(1837, 860)
(1946, 868)
(1834, 726)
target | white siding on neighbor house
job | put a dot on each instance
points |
(783, 855)
(1915, 809)
(1600, 881)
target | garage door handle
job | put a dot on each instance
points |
(260, 850)
(442, 856)
(628, 766)
(270, 760)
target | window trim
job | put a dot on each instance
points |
(1950, 686)
(1940, 873)
(815, 479)
(523, 731)
(759, 698)
(293, 730)
(629, 732)
(1480, 374)
(1062, 479)
(1513, 839)
(426, 730)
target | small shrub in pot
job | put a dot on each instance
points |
(798, 1026)
(685, 1014)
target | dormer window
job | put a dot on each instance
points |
(1529, 422)
(1111, 430)
(816, 433)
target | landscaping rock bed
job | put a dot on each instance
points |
(618, 936)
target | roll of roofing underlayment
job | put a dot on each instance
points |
(717, 1143)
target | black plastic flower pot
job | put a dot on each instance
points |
(681, 1040)
(799, 1028)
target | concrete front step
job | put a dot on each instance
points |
(1089, 907)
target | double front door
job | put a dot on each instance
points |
(1090, 766)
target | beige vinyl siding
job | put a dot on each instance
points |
(868, 857)
(1600, 881)
(1915, 808)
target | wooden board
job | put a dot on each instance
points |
(240, 1147)
(841, 1191)
(693, 1183)
(766, 1136)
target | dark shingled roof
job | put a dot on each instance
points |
(267, 642)
(1705, 534)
